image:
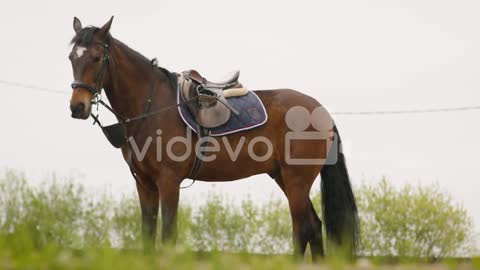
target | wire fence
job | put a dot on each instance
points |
(33, 87)
(366, 113)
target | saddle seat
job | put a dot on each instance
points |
(227, 84)
(212, 108)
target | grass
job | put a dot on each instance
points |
(60, 212)
(108, 258)
(119, 259)
(58, 225)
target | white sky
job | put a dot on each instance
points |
(350, 55)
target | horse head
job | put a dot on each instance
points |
(90, 64)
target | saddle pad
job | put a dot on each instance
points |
(251, 109)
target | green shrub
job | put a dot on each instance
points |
(412, 221)
(55, 212)
(221, 225)
(62, 214)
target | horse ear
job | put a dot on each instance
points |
(77, 25)
(105, 28)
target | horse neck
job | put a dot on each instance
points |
(130, 81)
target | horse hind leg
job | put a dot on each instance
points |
(314, 234)
(307, 227)
(299, 211)
(315, 240)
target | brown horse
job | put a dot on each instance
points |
(133, 87)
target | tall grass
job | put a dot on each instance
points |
(62, 213)
(58, 222)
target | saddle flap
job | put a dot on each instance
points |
(213, 116)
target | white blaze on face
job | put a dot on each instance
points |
(79, 51)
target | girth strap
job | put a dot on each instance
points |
(198, 162)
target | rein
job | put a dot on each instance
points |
(124, 121)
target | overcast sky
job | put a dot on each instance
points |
(349, 55)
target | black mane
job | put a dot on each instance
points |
(86, 37)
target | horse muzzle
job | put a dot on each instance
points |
(80, 111)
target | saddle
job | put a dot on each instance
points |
(211, 108)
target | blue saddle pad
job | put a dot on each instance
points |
(251, 109)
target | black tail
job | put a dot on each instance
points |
(338, 202)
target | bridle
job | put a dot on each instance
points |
(97, 89)
(116, 133)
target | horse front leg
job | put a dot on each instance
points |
(149, 202)
(169, 190)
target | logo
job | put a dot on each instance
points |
(298, 120)
(304, 129)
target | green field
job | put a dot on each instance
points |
(59, 225)
(106, 258)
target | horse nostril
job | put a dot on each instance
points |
(78, 109)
